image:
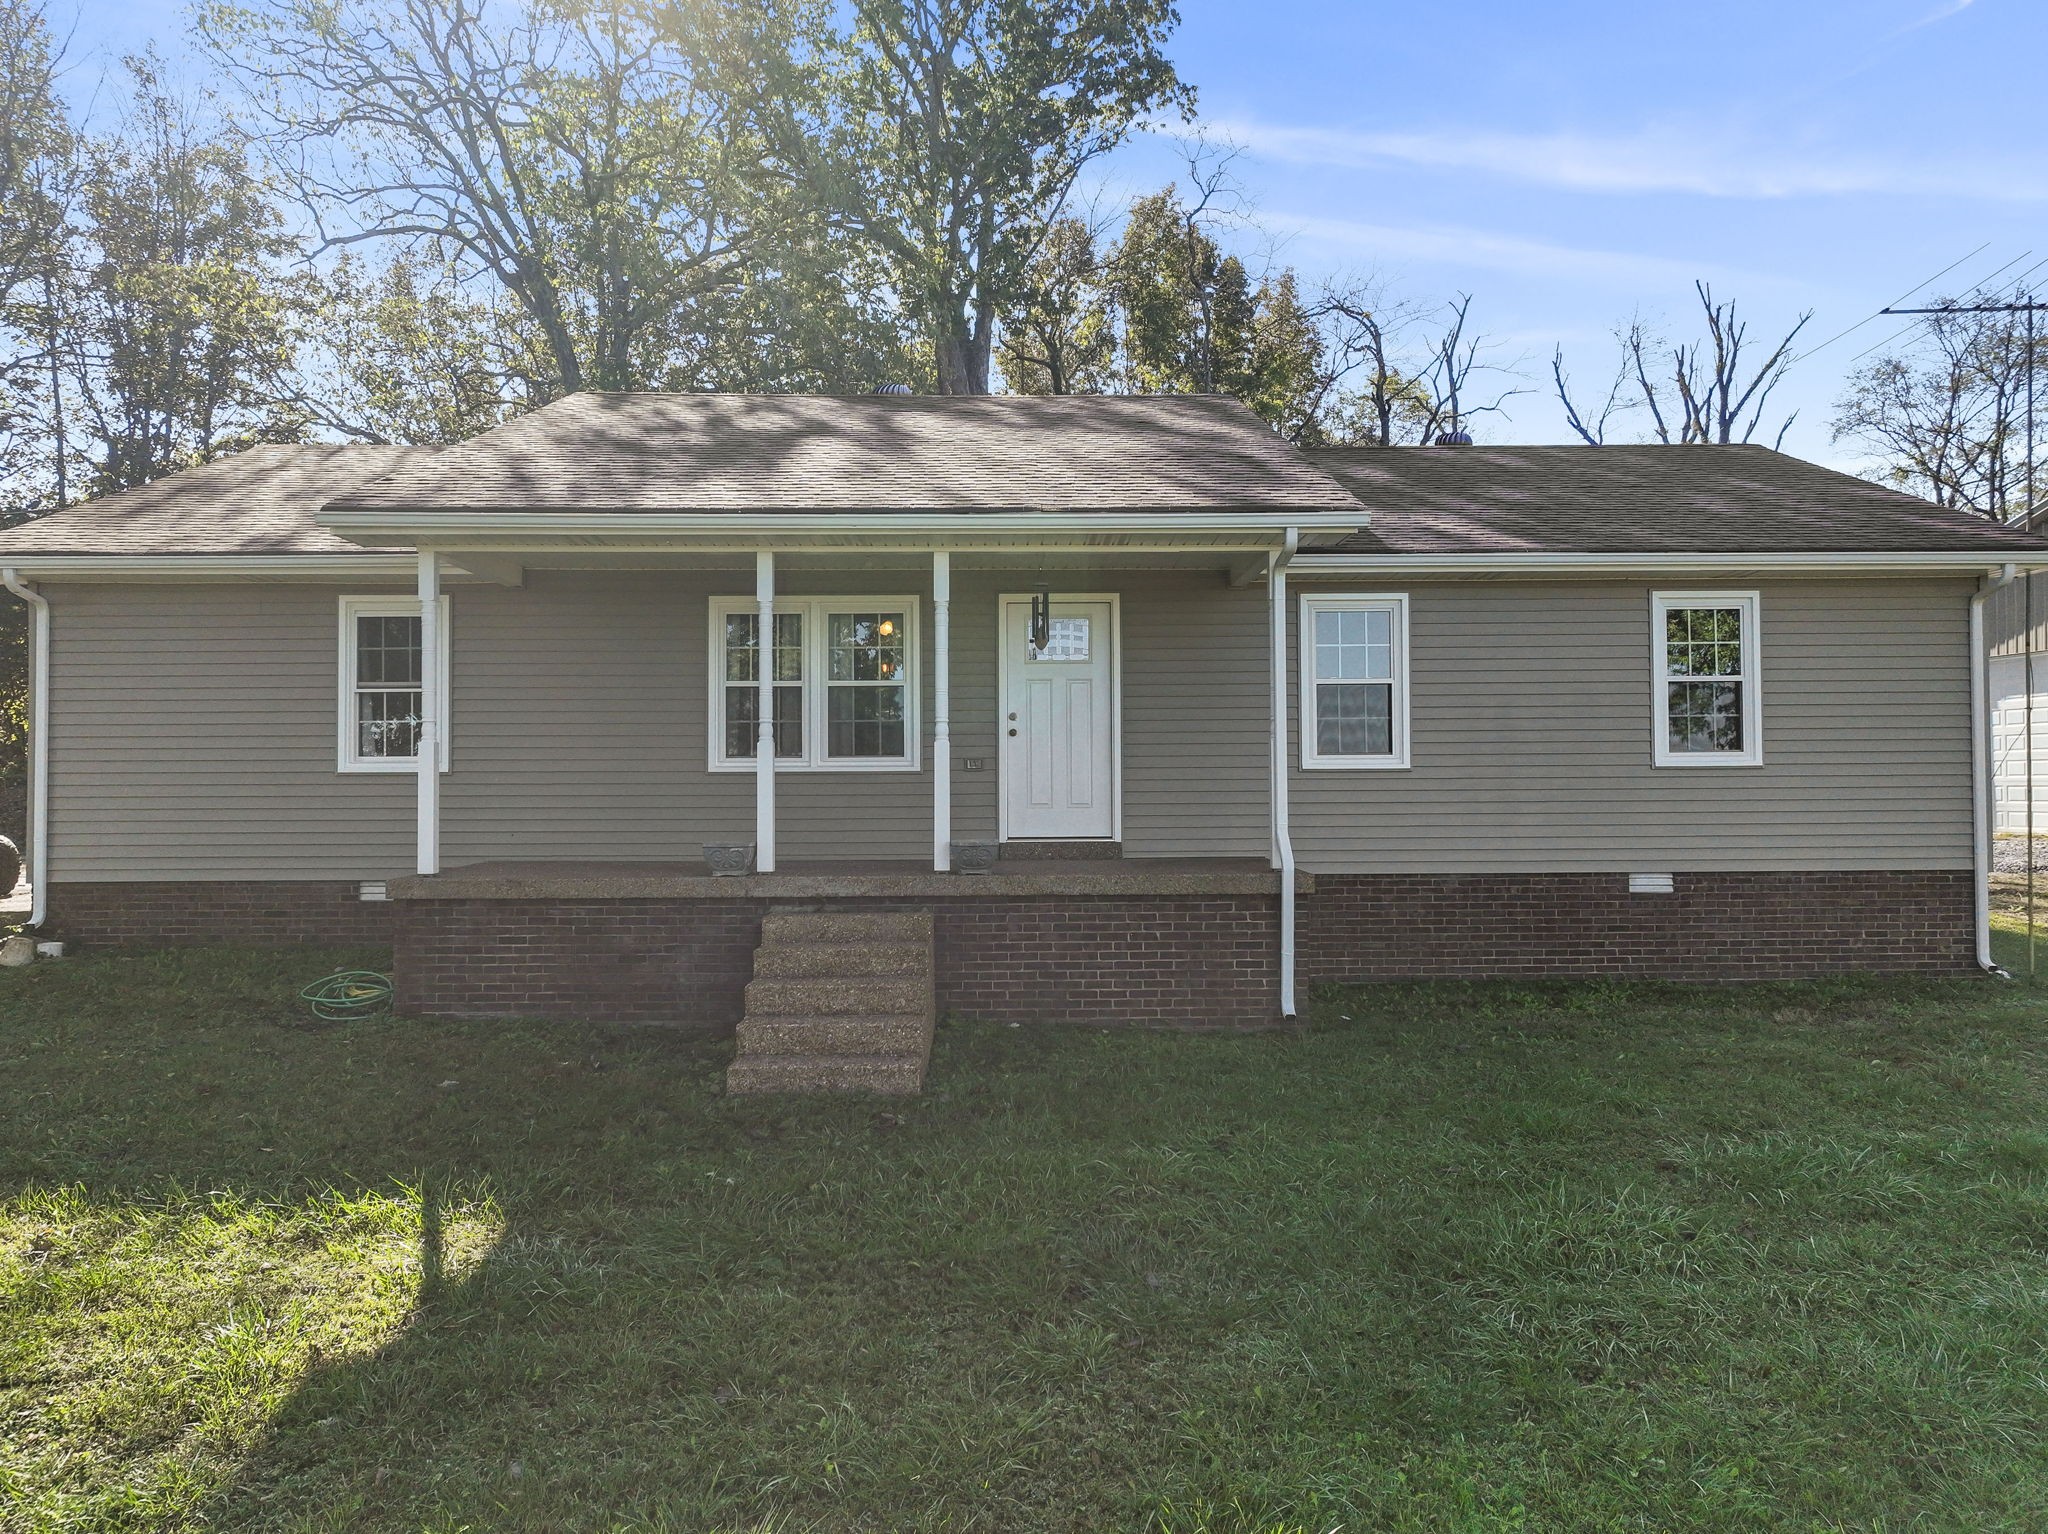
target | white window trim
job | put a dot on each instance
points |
(352, 608)
(815, 685)
(1752, 753)
(1305, 666)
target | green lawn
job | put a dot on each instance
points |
(1451, 1258)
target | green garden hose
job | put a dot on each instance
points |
(348, 996)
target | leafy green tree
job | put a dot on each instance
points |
(1286, 377)
(1187, 306)
(181, 315)
(403, 353)
(585, 158)
(948, 134)
(1060, 338)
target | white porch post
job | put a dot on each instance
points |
(764, 740)
(429, 753)
(942, 711)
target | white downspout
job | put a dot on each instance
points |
(1980, 768)
(38, 749)
(428, 763)
(942, 711)
(764, 738)
(1283, 841)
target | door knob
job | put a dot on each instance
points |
(1013, 719)
(1013, 732)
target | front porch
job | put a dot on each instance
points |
(1169, 942)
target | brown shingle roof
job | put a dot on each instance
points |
(258, 502)
(769, 453)
(1638, 499)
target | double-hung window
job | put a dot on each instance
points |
(1704, 678)
(1354, 681)
(380, 684)
(844, 682)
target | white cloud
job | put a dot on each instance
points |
(1652, 160)
(1449, 245)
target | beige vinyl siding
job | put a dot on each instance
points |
(194, 731)
(193, 736)
(582, 703)
(1532, 728)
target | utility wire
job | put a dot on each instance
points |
(1888, 308)
(1831, 340)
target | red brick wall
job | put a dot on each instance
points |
(1191, 962)
(265, 913)
(1188, 962)
(614, 961)
(1762, 926)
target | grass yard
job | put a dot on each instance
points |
(1452, 1258)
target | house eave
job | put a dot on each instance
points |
(1774, 562)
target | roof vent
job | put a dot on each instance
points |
(1454, 439)
(890, 388)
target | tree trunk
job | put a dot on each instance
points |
(962, 364)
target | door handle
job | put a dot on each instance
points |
(1013, 719)
(1013, 732)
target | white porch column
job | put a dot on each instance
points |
(429, 754)
(942, 711)
(764, 740)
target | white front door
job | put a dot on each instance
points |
(1059, 723)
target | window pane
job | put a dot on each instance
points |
(1355, 719)
(865, 722)
(388, 724)
(1705, 716)
(1703, 641)
(1354, 644)
(743, 717)
(742, 647)
(864, 647)
(387, 652)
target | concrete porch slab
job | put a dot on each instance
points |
(1008, 880)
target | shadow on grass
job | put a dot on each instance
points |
(1472, 1256)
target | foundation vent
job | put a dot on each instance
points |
(1651, 884)
(373, 889)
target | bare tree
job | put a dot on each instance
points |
(1705, 390)
(1407, 369)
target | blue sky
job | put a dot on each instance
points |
(1574, 162)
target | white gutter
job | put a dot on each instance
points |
(1283, 840)
(38, 749)
(1777, 562)
(1980, 768)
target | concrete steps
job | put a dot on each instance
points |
(841, 1001)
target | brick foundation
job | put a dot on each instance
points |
(1184, 961)
(1192, 963)
(265, 913)
(1749, 926)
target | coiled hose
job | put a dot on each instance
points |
(348, 996)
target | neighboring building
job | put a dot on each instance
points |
(2016, 623)
(1697, 712)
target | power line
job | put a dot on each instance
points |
(2029, 306)
(1831, 340)
(2015, 261)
